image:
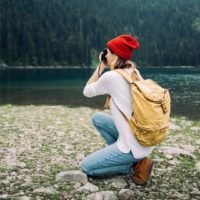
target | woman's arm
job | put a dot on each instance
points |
(95, 75)
(99, 70)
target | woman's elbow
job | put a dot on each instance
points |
(85, 93)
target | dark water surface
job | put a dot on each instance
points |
(64, 87)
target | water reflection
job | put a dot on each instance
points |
(64, 87)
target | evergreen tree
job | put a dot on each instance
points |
(72, 32)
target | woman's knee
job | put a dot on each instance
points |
(96, 117)
(100, 118)
(85, 166)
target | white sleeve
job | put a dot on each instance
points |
(97, 88)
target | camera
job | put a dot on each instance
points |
(103, 55)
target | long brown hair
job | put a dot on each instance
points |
(122, 64)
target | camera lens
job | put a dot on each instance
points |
(103, 55)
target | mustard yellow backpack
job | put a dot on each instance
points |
(151, 109)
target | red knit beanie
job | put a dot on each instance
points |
(123, 46)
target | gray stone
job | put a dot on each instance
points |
(198, 166)
(195, 192)
(104, 195)
(79, 157)
(168, 150)
(60, 133)
(118, 182)
(109, 195)
(198, 142)
(125, 194)
(185, 123)
(89, 187)
(189, 148)
(174, 127)
(24, 198)
(47, 190)
(95, 196)
(169, 156)
(4, 196)
(13, 173)
(77, 185)
(22, 164)
(195, 129)
(72, 176)
(66, 195)
(158, 160)
(37, 198)
(17, 194)
(27, 182)
(178, 195)
(174, 162)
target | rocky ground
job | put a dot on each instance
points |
(41, 148)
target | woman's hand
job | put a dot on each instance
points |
(102, 64)
(100, 68)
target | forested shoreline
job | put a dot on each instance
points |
(72, 32)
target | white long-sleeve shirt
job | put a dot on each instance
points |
(113, 84)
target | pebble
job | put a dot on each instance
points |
(4, 196)
(195, 191)
(174, 127)
(198, 166)
(46, 190)
(24, 198)
(104, 195)
(118, 182)
(89, 187)
(174, 162)
(189, 148)
(175, 151)
(71, 176)
(26, 178)
(195, 128)
(125, 194)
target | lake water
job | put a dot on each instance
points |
(64, 87)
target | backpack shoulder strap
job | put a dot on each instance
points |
(126, 118)
(135, 75)
(125, 75)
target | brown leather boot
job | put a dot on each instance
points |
(142, 171)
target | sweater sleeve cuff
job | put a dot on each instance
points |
(89, 90)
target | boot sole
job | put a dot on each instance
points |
(149, 172)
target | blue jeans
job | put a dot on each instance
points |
(109, 160)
